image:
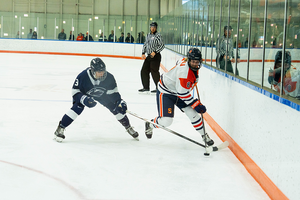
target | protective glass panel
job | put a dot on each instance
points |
(257, 38)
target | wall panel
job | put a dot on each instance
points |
(115, 7)
(143, 7)
(100, 7)
(129, 7)
(154, 8)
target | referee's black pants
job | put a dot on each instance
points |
(151, 65)
(229, 67)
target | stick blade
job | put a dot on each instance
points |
(217, 148)
(221, 146)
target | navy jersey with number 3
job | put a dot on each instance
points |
(105, 92)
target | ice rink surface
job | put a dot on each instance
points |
(98, 160)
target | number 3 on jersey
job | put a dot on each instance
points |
(76, 82)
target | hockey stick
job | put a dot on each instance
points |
(208, 149)
(226, 143)
(206, 153)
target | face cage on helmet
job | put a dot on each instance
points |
(102, 78)
(193, 68)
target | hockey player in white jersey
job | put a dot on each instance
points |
(291, 75)
(174, 88)
(91, 85)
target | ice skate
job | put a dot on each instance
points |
(133, 133)
(148, 130)
(153, 92)
(59, 133)
(144, 91)
(207, 140)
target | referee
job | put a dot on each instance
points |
(152, 46)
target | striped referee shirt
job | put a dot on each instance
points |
(223, 47)
(153, 43)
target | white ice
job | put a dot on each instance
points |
(98, 160)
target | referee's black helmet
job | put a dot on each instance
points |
(153, 24)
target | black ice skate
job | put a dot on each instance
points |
(59, 133)
(133, 133)
(207, 140)
(153, 92)
(148, 130)
(144, 91)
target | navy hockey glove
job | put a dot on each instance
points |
(121, 106)
(88, 101)
(197, 105)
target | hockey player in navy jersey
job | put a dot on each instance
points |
(174, 88)
(92, 85)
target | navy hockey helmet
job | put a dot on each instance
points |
(194, 54)
(287, 57)
(153, 24)
(97, 65)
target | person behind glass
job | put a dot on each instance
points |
(129, 38)
(62, 35)
(111, 37)
(254, 43)
(88, 37)
(18, 36)
(92, 85)
(291, 76)
(152, 46)
(121, 38)
(34, 35)
(222, 49)
(175, 88)
(101, 38)
(79, 37)
(246, 43)
(71, 37)
(141, 37)
(29, 35)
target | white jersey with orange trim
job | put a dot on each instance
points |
(179, 81)
(291, 85)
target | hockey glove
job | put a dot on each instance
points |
(197, 105)
(121, 107)
(88, 101)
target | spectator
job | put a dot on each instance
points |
(291, 76)
(254, 43)
(88, 37)
(225, 48)
(141, 37)
(62, 35)
(111, 37)
(274, 45)
(121, 38)
(18, 36)
(152, 46)
(239, 44)
(101, 38)
(129, 38)
(246, 43)
(34, 35)
(29, 35)
(79, 37)
(71, 37)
